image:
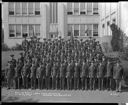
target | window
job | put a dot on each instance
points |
(30, 8)
(95, 8)
(11, 8)
(89, 30)
(37, 8)
(11, 30)
(17, 8)
(76, 30)
(95, 29)
(18, 30)
(24, 30)
(24, 8)
(89, 8)
(31, 30)
(82, 30)
(69, 9)
(37, 30)
(76, 8)
(102, 25)
(82, 9)
(70, 30)
(108, 23)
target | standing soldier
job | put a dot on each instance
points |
(54, 74)
(9, 74)
(57, 75)
(76, 76)
(68, 76)
(48, 71)
(109, 75)
(18, 74)
(100, 75)
(84, 75)
(33, 75)
(119, 72)
(91, 75)
(39, 76)
(26, 73)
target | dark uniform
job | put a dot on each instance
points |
(109, 75)
(33, 75)
(18, 74)
(92, 75)
(100, 75)
(10, 74)
(48, 75)
(26, 73)
(62, 75)
(118, 71)
(84, 75)
(54, 75)
(40, 74)
(68, 76)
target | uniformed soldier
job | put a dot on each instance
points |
(18, 74)
(84, 75)
(48, 74)
(54, 75)
(68, 76)
(109, 75)
(9, 75)
(76, 76)
(91, 75)
(100, 75)
(26, 73)
(33, 75)
(119, 72)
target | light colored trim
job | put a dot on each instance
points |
(79, 29)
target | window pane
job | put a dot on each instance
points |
(37, 6)
(95, 30)
(17, 8)
(82, 30)
(24, 8)
(30, 8)
(24, 30)
(95, 8)
(31, 30)
(69, 8)
(89, 8)
(76, 8)
(18, 30)
(76, 30)
(70, 30)
(11, 30)
(11, 8)
(89, 30)
(37, 30)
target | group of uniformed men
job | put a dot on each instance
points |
(63, 64)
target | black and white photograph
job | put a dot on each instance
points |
(64, 52)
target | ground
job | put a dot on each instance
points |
(61, 95)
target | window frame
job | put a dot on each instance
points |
(9, 9)
(14, 33)
(37, 11)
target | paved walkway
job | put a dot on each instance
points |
(63, 96)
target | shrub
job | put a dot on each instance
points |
(5, 47)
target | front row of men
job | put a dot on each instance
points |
(67, 75)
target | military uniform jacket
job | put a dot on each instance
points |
(48, 70)
(33, 71)
(18, 70)
(77, 71)
(118, 72)
(10, 72)
(91, 71)
(109, 70)
(100, 72)
(54, 71)
(84, 70)
(68, 75)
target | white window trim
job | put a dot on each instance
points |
(32, 10)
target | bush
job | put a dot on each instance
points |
(17, 47)
(5, 47)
